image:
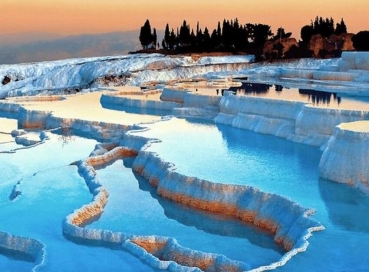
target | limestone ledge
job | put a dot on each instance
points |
(318, 75)
(275, 108)
(136, 142)
(100, 195)
(10, 107)
(187, 98)
(340, 133)
(197, 100)
(37, 119)
(29, 246)
(158, 252)
(112, 155)
(132, 92)
(354, 61)
(33, 119)
(167, 254)
(292, 120)
(18, 132)
(287, 221)
(346, 156)
(176, 101)
(73, 224)
(173, 94)
(29, 139)
(102, 148)
(208, 113)
(122, 102)
(313, 120)
(352, 67)
(36, 98)
(179, 74)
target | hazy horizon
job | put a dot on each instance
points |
(52, 29)
(69, 17)
(19, 49)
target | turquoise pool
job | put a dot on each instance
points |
(228, 155)
(51, 189)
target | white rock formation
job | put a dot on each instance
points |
(346, 157)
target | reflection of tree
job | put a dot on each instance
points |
(278, 88)
(66, 135)
(320, 97)
(251, 88)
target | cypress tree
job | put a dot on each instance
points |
(145, 35)
(340, 28)
(184, 34)
(172, 39)
(167, 36)
(154, 37)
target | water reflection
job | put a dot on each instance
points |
(347, 206)
(251, 88)
(319, 97)
(238, 139)
(17, 255)
(212, 223)
(314, 97)
(278, 88)
(136, 110)
(66, 135)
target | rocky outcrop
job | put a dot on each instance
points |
(270, 47)
(6, 80)
(318, 44)
(347, 42)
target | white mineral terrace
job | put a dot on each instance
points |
(358, 126)
(342, 135)
(80, 106)
(242, 202)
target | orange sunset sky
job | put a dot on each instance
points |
(70, 17)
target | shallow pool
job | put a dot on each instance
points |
(51, 189)
(316, 98)
(135, 208)
(322, 99)
(229, 155)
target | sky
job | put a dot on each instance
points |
(74, 17)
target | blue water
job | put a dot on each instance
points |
(313, 97)
(52, 189)
(224, 154)
(135, 208)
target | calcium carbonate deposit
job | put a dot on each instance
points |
(151, 162)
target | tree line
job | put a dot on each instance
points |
(228, 36)
(324, 27)
(232, 36)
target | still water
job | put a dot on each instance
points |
(315, 98)
(51, 189)
(225, 154)
(322, 99)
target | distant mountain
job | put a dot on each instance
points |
(27, 37)
(21, 49)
